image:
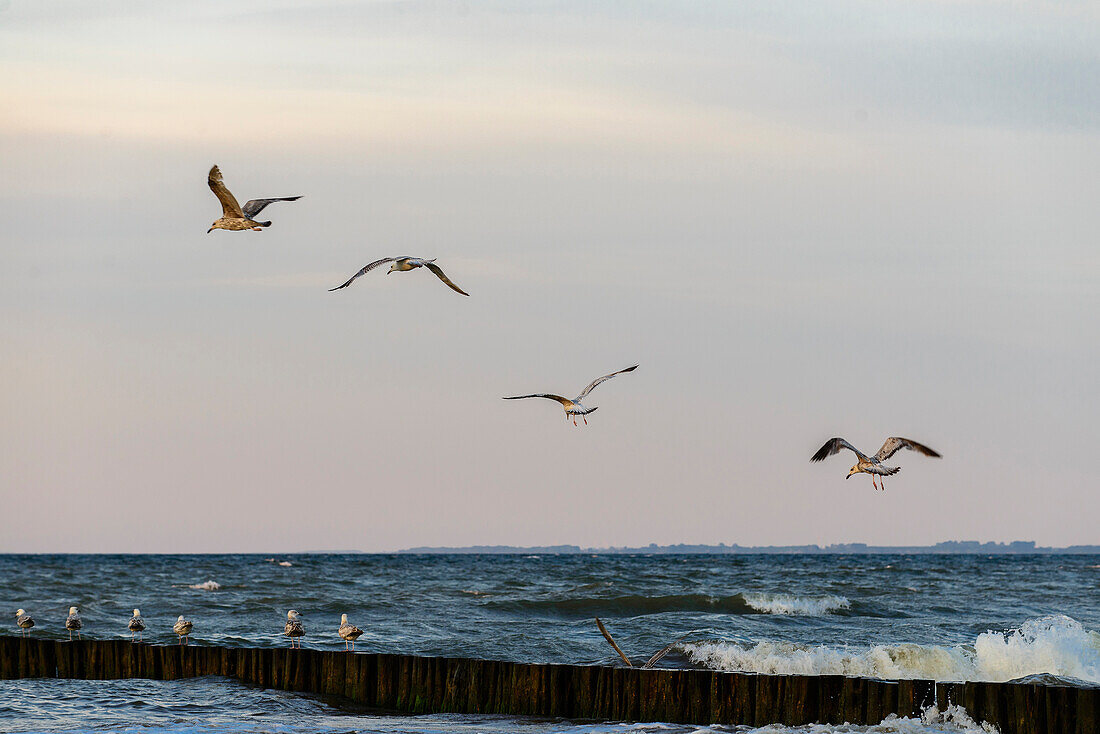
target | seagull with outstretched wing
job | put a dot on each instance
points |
(234, 216)
(873, 464)
(574, 407)
(402, 264)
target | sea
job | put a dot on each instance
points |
(942, 617)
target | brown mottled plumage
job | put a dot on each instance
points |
(235, 217)
(873, 464)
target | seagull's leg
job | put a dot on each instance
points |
(585, 420)
(574, 420)
(882, 482)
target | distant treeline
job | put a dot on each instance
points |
(946, 547)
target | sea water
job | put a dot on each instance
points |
(946, 617)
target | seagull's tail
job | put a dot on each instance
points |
(264, 224)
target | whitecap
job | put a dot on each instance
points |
(813, 606)
(1057, 645)
(285, 563)
(206, 586)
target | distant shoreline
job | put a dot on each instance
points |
(951, 547)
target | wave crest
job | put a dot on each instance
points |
(1056, 645)
(206, 586)
(637, 605)
(814, 606)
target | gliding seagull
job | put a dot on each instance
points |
(402, 264)
(574, 407)
(873, 464)
(234, 216)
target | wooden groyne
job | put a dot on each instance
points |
(416, 685)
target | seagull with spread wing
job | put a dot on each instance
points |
(234, 216)
(574, 407)
(402, 264)
(873, 464)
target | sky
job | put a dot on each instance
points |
(803, 220)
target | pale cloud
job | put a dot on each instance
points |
(802, 219)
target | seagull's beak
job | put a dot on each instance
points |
(210, 230)
(849, 475)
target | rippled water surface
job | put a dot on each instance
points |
(943, 617)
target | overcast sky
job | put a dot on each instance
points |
(803, 220)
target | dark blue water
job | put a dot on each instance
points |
(944, 617)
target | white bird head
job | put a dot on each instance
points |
(21, 612)
(137, 612)
(853, 470)
(72, 610)
(292, 614)
(180, 618)
(343, 619)
(392, 268)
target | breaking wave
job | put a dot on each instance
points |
(206, 586)
(1055, 645)
(631, 606)
(813, 606)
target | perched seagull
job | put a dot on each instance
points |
(23, 620)
(402, 264)
(574, 407)
(233, 215)
(873, 464)
(73, 623)
(294, 628)
(182, 627)
(348, 632)
(137, 625)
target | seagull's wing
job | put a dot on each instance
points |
(566, 402)
(598, 380)
(833, 446)
(366, 269)
(230, 207)
(895, 444)
(255, 206)
(439, 274)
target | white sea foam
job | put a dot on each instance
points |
(813, 606)
(285, 563)
(1057, 645)
(206, 586)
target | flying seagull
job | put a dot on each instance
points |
(873, 464)
(234, 216)
(23, 620)
(183, 627)
(294, 628)
(136, 626)
(73, 623)
(574, 407)
(348, 632)
(402, 264)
